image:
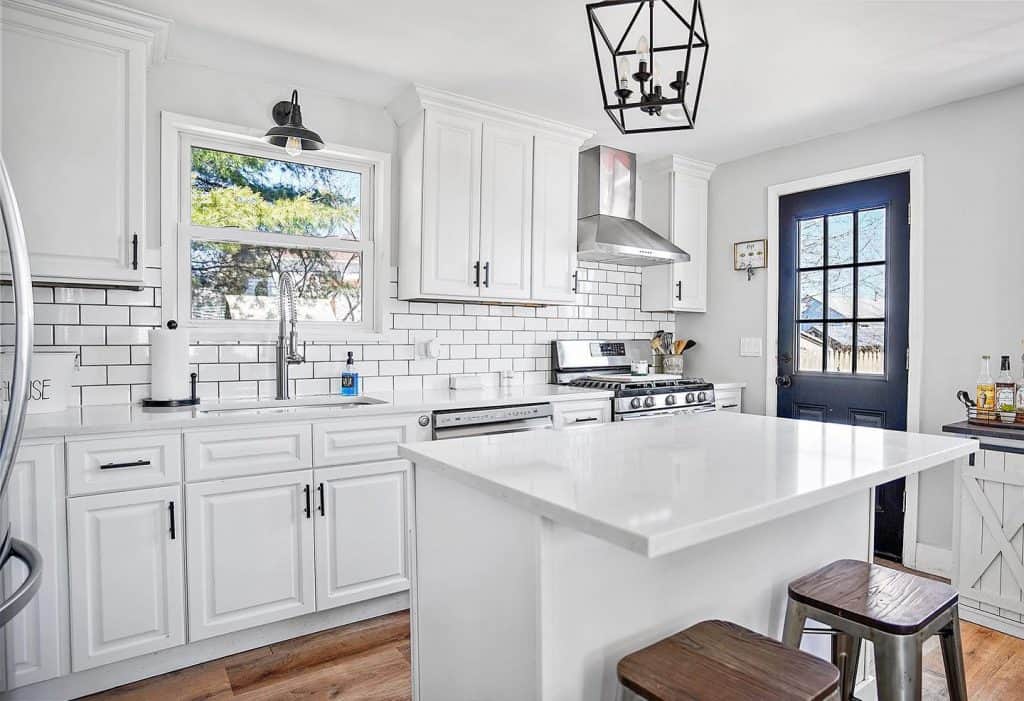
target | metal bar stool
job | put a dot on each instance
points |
(721, 661)
(896, 611)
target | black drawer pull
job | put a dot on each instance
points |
(586, 420)
(320, 488)
(115, 465)
(309, 510)
(729, 406)
(170, 508)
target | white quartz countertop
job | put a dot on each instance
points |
(117, 418)
(661, 485)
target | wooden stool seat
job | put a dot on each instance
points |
(725, 662)
(878, 597)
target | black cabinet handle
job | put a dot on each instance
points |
(320, 489)
(309, 510)
(476, 274)
(679, 290)
(135, 251)
(575, 280)
(116, 465)
(729, 406)
(586, 420)
(487, 274)
(170, 508)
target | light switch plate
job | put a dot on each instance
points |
(750, 346)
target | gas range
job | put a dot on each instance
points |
(605, 365)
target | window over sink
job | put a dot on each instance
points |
(247, 212)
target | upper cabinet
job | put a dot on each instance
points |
(487, 203)
(675, 204)
(73, 137)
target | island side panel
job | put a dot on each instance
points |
(600, 602)
(475, 595)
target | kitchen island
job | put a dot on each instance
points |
(542, 558)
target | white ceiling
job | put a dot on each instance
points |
(778, 73)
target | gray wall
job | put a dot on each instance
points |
(974, 256)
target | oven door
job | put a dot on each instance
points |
(664, 412)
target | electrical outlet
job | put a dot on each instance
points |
(750, 346)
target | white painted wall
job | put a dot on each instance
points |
(974, 256)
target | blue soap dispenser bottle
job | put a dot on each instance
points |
(350, 378)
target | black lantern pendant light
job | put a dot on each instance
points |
(289, 133)
(651, 85)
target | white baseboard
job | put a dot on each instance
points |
(933, 560)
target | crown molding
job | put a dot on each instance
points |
(419, 97)
(679, 164)
(105, 16)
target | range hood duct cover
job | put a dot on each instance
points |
(607, 230)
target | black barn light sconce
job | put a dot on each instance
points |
(655, 84)
(289, 133)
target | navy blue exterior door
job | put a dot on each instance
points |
(844, 284)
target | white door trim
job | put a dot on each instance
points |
(915, 166)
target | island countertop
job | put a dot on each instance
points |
(661, 485)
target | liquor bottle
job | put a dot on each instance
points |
(1006, 388)
(350, 378)
(1020, 386)
(985, 397)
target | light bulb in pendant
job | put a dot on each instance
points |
(293, 146)
(643, 47)
(623, 72)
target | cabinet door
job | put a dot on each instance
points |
(690, 233)
(127, 579)
(506, 212)
(451, 204)
(74, 140)
(362, 530)
(250, 552)
(555, 171)
(37, 638)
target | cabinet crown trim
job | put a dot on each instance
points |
(680, 164)
(105, 16)
(418, 97)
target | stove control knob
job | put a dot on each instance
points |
(702, 397)
(649, 402)
(634, 403)
(689, 397)
(670, 399)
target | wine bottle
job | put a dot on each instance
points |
(985, 397)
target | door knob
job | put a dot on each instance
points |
(784, 381)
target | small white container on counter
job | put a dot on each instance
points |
(53, 375)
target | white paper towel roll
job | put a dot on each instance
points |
(168, 358)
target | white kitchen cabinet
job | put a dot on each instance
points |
(506, 208)
(584, 412)
(487, 201)
(37, 644)
(729, 399)
(555, 177)
(366, 439)
(74, 109)
(362, 532)
(249, 552)
(126, 575)
(675, 205)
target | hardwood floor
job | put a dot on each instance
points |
(370, 661)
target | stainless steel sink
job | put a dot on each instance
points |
(289, 406)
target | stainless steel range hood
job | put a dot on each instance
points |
(607, 230)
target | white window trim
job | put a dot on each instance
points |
(177, 131)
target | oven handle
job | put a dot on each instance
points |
(664, 412)
(517, 426)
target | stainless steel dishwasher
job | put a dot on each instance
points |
(460, 423)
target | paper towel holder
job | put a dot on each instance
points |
(167, 403)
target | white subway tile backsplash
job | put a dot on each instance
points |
(106, 355)
(53, 313)
(127, 374)
(101, 315)
(78, 335)
(126, 335)
(142, 298)
(242, 354)
(79, 295)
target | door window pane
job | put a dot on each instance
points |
(812, 295)
(839, 349)
(871, 348)
(808, 354)
(840, 293)
(812, 242)
(871, 292)
(840, 239)
(871, 235)
(240, 281)
(238, 191)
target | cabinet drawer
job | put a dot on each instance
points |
(114, 463)
(581, 413)
(729, 400)
(255, 450)
(360, 440)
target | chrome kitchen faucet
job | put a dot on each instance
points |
(287, 350)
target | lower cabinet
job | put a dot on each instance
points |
(36, 639)
(250, 552)
(126, 575)
(729, 400)
(581, 412)
(362, 528)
